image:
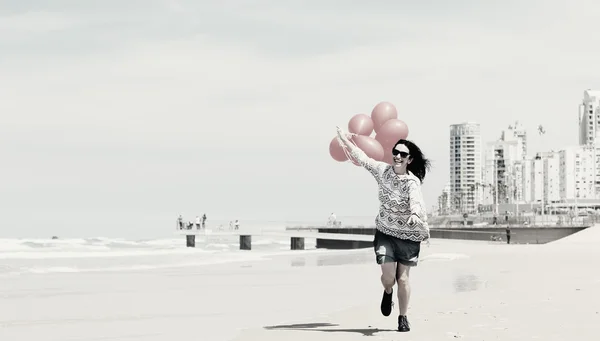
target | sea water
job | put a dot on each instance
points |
(39, 256)
(101, 254)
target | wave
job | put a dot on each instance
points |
(214, 259)
(82, 243)
(100, 254)
(89, 247)
(126, 268)
(113, 247)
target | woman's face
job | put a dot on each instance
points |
(401, 156)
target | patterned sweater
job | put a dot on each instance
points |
(400, 197)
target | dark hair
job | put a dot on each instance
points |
(419, 164)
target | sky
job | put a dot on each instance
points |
(117, 116)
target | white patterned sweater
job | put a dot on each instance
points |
(399, 196)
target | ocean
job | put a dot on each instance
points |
(42, 256)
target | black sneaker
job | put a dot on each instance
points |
(403, 325)
(387, 303)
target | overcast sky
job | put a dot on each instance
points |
(117, 115)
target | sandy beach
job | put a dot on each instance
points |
(461, 290)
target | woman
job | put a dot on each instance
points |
(401, 225)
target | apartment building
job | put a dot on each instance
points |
(465, 166)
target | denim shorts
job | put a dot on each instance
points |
(390, 249)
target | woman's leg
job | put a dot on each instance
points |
(402, 276)
(388, 276)
(384, 252)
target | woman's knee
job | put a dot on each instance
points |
(388, 274)
(388, 280)
(402, 275)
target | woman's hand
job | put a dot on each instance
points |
(414, 219)
(341, 133)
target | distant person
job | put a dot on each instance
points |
(236, 224)
(571, 215)
(231, 225)
(197, 223)
(508, 234)
(401, 224)
(332, 220)
(204, 220)
(495, 219)
(180, 222)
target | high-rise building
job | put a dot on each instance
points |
(551, 162)
(465, 166)
(589, 117)
(537, 179)
(576, 171)
(444, 201)
(528, 181)
(589, 130)
(503, 172)
(506, 170)
(516, 132)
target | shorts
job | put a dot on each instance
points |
(390, 249)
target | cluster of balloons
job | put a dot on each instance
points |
(388, 130)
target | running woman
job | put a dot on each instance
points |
(401, 224)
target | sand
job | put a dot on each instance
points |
(461, 290)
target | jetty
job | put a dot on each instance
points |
(297, 237)
(358, 237)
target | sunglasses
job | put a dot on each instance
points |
(396, 152)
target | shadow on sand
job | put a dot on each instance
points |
(323, 327)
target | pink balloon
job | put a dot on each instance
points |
(382, 113)
(390, 132)
(336, 151)
(370, 146)
(361, 124)
(388, 157)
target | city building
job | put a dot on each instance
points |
(589, 127)
(506, 172)
(537, 179)
(503, 169)
(551, 172)
(576, 172)
(589, 117)
(444, 204)
(465, 167)
(516, 132)
(528, 181)
(499, 175)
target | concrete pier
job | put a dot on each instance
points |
(297, 243)
(297, 238)
(245, 242)
(520, 234)
(362, 237)
(190, 240)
